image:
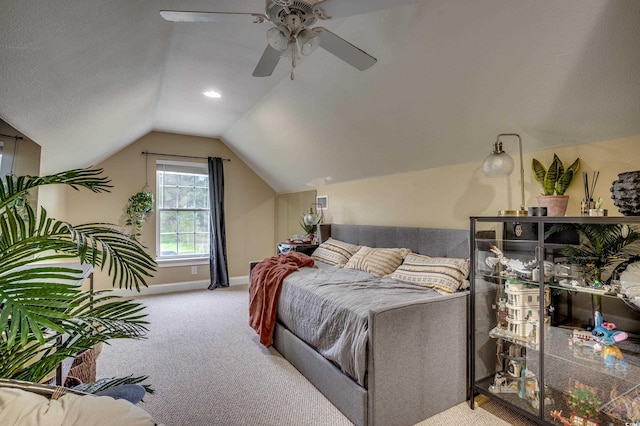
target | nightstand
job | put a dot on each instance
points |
(300, 248)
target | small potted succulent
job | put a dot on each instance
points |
(139, 206)
(554, 182)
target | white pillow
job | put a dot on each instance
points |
(377, 261)
(444, 274)
(20, 407)
(335, 252)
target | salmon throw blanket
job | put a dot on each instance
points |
(266, 280)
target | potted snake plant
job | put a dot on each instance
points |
(554, 182)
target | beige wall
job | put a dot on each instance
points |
(27, 156)
(442, 197)
(27, 153)
(290, 208)
(249, 203)
(447, 196)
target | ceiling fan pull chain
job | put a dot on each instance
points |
(293, 58)
(294, 52)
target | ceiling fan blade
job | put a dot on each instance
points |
(344, 50)
(267, 62)
(342, 8)
(192, 16)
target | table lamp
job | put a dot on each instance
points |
(498, 164)
(313, 218)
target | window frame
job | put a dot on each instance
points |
(1, 156)
(178, 260)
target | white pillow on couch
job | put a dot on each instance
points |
(23, 408)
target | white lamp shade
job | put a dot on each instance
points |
(278, 37)
(497, 164)
(308, 41)
(311, 219)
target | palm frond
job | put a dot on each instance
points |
(89, 318)
(600, 244)
(35, 362)
(12, 187)
(107, 383)
(99, 244)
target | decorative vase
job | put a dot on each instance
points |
(556, 204)
(625, 193)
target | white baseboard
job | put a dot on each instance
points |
(173, 287)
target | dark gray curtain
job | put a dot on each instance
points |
(218, 240)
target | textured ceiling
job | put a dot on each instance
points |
(86, 78)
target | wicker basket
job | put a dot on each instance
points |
(84, 366)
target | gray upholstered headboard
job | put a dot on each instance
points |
(427, 241)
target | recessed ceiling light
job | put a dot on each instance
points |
(212, 94)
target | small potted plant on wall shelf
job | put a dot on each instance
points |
(139, 206)
(554, 181)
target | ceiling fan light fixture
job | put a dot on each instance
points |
(308, 42)
(278, 37)
(290, 35)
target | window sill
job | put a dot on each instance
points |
(188, 261)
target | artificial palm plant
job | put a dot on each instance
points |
(44, 317)
(601, 245)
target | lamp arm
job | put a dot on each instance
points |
(521, 165)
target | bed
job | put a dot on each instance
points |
(415, 359)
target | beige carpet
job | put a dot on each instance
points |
(489, 414)
(208, 368)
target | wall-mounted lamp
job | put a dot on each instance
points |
(499, 163)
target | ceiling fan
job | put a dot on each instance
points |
(291, 35)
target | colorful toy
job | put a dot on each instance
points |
(606, 338)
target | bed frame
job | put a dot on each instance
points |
(417, 353)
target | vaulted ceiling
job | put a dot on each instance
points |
(85, 78)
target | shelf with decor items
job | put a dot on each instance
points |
(554, 317)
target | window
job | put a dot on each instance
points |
(183, 210)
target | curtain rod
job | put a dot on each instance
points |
(177, 155)
(11, 136)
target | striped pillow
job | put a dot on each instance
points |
(443, 274)
(335, 252)
(377, 261)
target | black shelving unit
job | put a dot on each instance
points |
(538, 358)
